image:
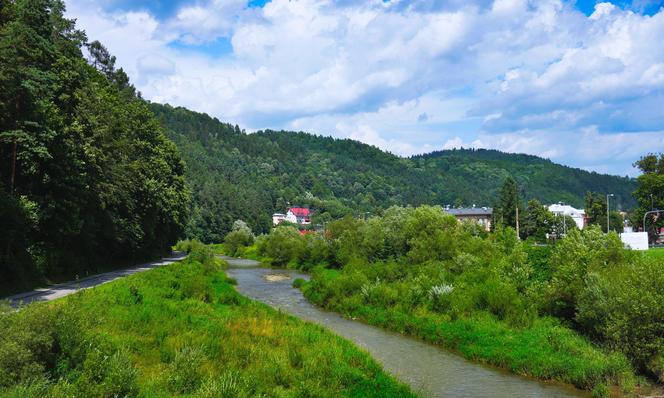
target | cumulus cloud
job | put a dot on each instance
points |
(410, 76)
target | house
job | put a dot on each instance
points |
(578, 215)
(295, 215)
(478, 215)
(299, 215)
(277, 218)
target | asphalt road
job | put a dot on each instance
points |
(64, 289)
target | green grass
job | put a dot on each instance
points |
(180, 330)
(544, 348)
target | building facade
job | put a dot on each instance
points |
(295, 215)
(578, 215)
(478, 215)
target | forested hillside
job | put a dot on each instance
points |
(87, 177)
(475, 175)
(235, 175)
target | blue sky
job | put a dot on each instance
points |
(579, 82)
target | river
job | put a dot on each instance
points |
(428, 369)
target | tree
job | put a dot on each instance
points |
(25, 77)
(537, 221)
(596, 213)
(239, 238)
(505, 208)
(649, 193)
(562, 225)
(86, 172)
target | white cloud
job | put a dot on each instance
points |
(513, 74)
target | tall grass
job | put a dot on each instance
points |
(180, 330)
(540, 347)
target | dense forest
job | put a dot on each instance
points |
(234, 175)
(87, 177)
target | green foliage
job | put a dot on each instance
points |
(649, 193)
(188, 245)
(573, 259)
(84, 166)
(623, 306)
(239, 238)
(283, 245)
(234, 175)
(535, 310)
(505, 208)
(537, 222)
(103, 343)
(596, 213)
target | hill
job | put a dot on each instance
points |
(476, 174)
(235, 175)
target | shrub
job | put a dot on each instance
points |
(185, 373)
(431, 234)
(187, 245)
(298, 283)
(205, 256)
(623, 306)
(239, 238)
(27, 344)
(283, 245)
(574, 257)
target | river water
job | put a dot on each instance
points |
(429, 370)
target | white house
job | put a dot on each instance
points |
(295, 215)
(577, 215)
(277, 218)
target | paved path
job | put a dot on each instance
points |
(67, 288)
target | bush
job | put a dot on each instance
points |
(298, 283)
(185, 374)
(205, 256)
(239, 238)
(187, 246)
(623, 306)
(283, 245)
(574, 257)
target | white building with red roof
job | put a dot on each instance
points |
(295, 215)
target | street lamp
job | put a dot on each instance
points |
(607, 212)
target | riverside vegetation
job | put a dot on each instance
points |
(584, 311)
(179, 330)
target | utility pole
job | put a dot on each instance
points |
(607, 212)
(517, 221)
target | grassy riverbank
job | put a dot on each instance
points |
(583, 311)
(544, 349)
(180, 330)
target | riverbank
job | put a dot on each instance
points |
(179, 330)
(429, 369)
(545, 349)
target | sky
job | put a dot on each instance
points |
(578, 82)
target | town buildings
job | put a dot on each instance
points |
(578, 215)
(478, 215)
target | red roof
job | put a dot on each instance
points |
(299, 211)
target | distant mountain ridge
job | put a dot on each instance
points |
(235, 175)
